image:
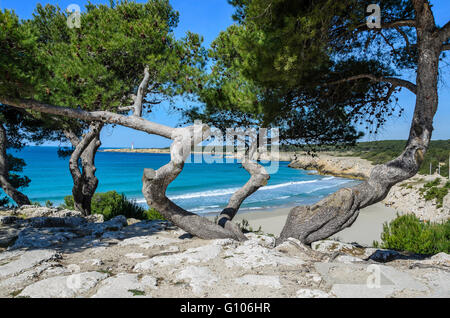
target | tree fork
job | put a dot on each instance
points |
(84, 182)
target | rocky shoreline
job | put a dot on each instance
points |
(404, 197)
(70, 256)
(345, 167)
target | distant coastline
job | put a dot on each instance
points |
(137, 150)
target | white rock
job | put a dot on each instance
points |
(25, 277)
(135, 255)
(63, 286)
(312, 293)
(192, 255)
(439, 259)
(33, 237)
(93, 262)
(125, 285)
(347, 259)
(260, 280)
(149, 241)
(224, 242)
(7, 219)
(251, 255)
(26, 261)
(199, 277)
(263, 240)
(330, 246)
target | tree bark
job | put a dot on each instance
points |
(82, 167)
(13, 193)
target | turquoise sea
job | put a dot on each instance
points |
(201, 187)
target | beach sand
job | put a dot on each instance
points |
(366, 229)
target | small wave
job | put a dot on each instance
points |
(220, 192)
(326, 187)
(281, 185)
(211, 193)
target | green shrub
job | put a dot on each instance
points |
(152, 214)
(433, 183)
(112, 204)
(407, 233)
(431, 191)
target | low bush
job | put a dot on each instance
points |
(432, 191)
(407, 233)
(111, 204)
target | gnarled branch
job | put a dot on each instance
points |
(155, 184)
(393, 80)
(84, 182)
(139, 98)
(107, 117)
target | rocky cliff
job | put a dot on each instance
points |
(406, 197)
(347, 167)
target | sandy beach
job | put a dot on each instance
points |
(367, 227)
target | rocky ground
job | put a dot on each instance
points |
(406, 198)
(57, 253)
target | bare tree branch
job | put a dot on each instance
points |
(72, 137)
(389, 25)
(393, 80)
(139, 98)
(134, 122)
(404, 36)
(80, 147)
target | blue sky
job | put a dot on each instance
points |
(208, 18)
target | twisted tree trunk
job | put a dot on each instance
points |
(340, 210)
(82, 167)
(155, 184)
(10, 190)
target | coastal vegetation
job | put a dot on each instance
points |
(408, 233)
(434, 191)
(112, 204)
